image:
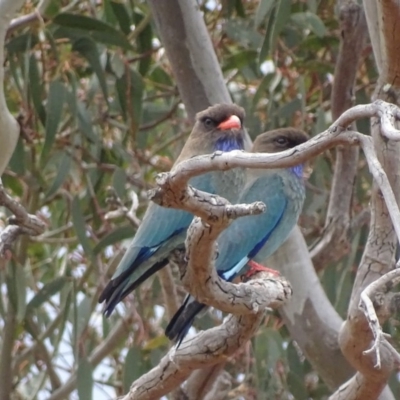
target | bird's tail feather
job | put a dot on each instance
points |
(183, 319)
(115, 291)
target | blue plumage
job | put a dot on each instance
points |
(229, 144)
(163, 229)
(282, 191)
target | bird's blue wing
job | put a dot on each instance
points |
(242, 240)
(161, 230)
(238, 244)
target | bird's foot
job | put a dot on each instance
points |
(256, 267)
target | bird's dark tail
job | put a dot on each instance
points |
(183, 319)
(116, 289)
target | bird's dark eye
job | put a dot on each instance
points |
(281, 141)
(209, 123)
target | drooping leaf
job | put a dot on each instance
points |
(130, 92)
(54, 108)
(21, 43)
(115, 236)
(119, 181)
(87, 47)
(62, 173)
(36, 89)
(46, 292)
(133, 367)
(99, 31)
(122, 15)
(78, 220)
(85, 380)
(309, 20)
(264, 7)
(17, 161)
(84, 122)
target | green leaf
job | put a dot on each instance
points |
(133, 367)
(240, 60)
(296, 366)
(121, 13)
(83, 313)
(130, 92)
(85, 123)
(297, 387)
(263, 9)
(78, 220)
(320, 125)
(309, 20)
(282, 16)
(119, 181)
(266, 44)
(63, 171)
(44, 294)
(81, 25)
(287, 111)
(55, 103)
(115, 236)
(263, 88)
(84, 382)
(145, 44)
(17, 161)
(36, 89)
(21, 43)
(242, 31)
(20, 285)
(117, 65)
(88, 48)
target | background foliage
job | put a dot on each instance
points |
(100, 115)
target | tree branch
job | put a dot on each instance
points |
(9, 131)
(334, 242)
(246, 299)
(206, 348)
(21, 223)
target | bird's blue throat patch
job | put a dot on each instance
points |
(229, 143)
(298, 170)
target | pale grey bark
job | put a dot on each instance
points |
(356, 336)
(191, 54)
(9, 128)
(335, 240)
(203, 86)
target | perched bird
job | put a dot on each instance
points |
(219, 127)
(282, 191)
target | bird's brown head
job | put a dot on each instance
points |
(279, 140)
(220, 127)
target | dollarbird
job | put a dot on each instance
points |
(283, 192)
(218, 128)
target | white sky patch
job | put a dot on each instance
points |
(267, 67)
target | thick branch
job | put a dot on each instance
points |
(389, 17)
(335, 240)
(336, 134)
(192, 57)
(22, 223)
(206, 348)
(9, 128)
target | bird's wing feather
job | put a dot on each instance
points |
(159, 225)
(161, 230)
(246, 235)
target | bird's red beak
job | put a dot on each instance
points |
(233, 122)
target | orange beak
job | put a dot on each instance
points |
(233, 122)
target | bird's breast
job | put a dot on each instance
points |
(229, 184)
